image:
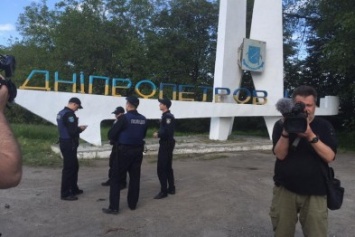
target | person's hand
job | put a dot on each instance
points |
(4, 96)
(155, 135)
(285, 133)
(83, 127)
(308, 134)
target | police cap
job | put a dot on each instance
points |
(166, 102)
(118, 110)
(76, 101)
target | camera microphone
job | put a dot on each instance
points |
(284, 105)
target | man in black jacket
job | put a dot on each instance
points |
(129, 133)
(166, 148)
(68, 142)
(118, 112)
(300, 192)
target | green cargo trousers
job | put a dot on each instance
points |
(287, 207)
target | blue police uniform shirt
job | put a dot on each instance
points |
(135, 129)
(167, 125)
(68, 124)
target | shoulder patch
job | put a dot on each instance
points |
(71, 119)
(168, 120)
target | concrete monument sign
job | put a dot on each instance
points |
(263, 55)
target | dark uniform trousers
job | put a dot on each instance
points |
(112, 157)
(165, 165)
(70, 167)
(128, 159)
(123, 179)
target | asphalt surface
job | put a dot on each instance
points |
(218, 195)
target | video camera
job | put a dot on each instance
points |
(8, 64)
(294, 114)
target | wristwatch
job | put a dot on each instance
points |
(314, 140)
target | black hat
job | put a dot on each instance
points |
(76, 101)
(133, 101)
(118, 110)
(166, 102)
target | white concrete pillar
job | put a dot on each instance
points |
(231, 31)
(267, 26)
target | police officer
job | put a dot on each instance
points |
(68, 142)
(129, 133)
(118, 112)
(165, 153)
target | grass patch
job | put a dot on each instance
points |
(36, 141)
(346, 141)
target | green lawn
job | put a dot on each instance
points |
(36, 141)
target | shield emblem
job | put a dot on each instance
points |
(168, 121)
(254, 54)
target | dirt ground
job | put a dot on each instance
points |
(218, 195)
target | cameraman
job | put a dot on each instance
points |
(10, 154)
(300, 191)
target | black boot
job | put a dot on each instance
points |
(107, 183)
(161, 195)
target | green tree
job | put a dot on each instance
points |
(130, 20)
(332, 52)
(182, 42)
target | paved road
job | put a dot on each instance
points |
(218, 195)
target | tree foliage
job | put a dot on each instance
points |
(330, 63)
(166, 40)
(174, 41)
